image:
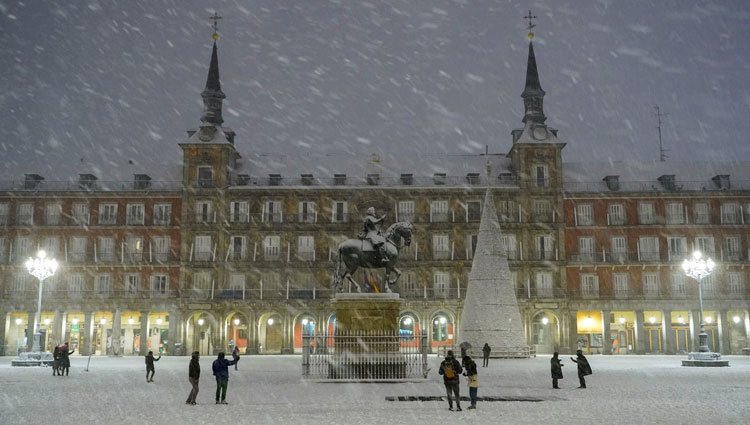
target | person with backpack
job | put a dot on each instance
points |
(473, 376)
(150, 365)
(220, 368)
(450, 368)
(583, 367)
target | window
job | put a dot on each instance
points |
(77, 248)
(106, 249)
(584, 215)
(134, 249)
(675, 213)
(619, 249)
(162, 214)
(471, 246)
(736, 284)
(161, 247)
(203, 248)
(440, 247)
(678, 287)
(544, 248)
(306, 248)
(732, 248)
(272, 247)
(511, 246)
(650, 285)
(103, 284)
(405, 211)
(542, 211)
(272, 212)
(586, 249)
(76, 285)
(701, 213)
(705, 244)
(730, 213)
(308, 212)
(339, 212)
(708, 284)
(544, 284)
(107, 213)
(589, 285)
(620, 281)
(239, 212)
(52, 214)
(205, 177)
(408, 282)
(132, 284)
(159, 285)
(201, 284)
(441, 284)
(25, 214)
(439, 211)
(3, 249)
(237, 247)
(204, 212)
(134, 214)
(616, 214)
(236, 285)
(648, 248)
(20, 282)
(81, 213)
(677, 247)
(646, 214)
(22, 248)
(4, 211)
(540, 172)
(51, 244)
(506, 211)
(473, 211)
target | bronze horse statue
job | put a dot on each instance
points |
(356, 253)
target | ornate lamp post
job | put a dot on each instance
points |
(698, 268)
(40, 267)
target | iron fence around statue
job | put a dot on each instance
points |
(370, 356)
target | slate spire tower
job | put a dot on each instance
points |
(533, 95)
(212, 94)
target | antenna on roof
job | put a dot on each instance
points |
(662, 152)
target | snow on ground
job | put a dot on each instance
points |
(270, 390)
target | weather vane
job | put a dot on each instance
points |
(530, 25)
(215, 24)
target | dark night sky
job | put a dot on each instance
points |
(107, 82)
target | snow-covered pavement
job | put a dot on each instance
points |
(269, 389)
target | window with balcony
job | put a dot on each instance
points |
(4, 212)
(616, 214)
(650, 285)
(508, 241)
(648, 248)
(236, 286)
(162, 214)
(162, 245)
(732, 248)
(51, 245)
(77, 248)
(471, 246)
(620, 283)
(272, 247)
(134, 249)
(735, 283)
(3, 249)
(541, 176)
(159, 285)
(203, 248)
(53, 214)
(25, 214)
(272, 212)
(22, 248)
(239, 212)
(237, 248)
(678, 248)
(204, 212)
(308, 212)
(201, 284)
(646, 213)
(132, 284)
(440, 247)
(339, 212)
(544, 287)
(678, 287)
(675, 213)
(408, 282)
(105, 248)
(441, 284)
(473, 211)
(584, 215)
(586, 249)
(619, 249)
(205, 177)
(439, 211)
(306, 248)
(271, 285)
(544, 248)
(21, 282)
(708, 285)
(76, 285)
(405, 211)
(107, 214)
(506, 211)
(730, 213)
(81, 213)
(542, 211)
(135, 215)
(705, 244)
(701, 214)
(589, 286)
(103, 284)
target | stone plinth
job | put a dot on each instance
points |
(367, 313)
(705, 359)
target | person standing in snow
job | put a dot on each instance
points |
(473, 376)
(450, 368)
(556, 365)
(194, 375)
(583, 367)
(56, 361)
(150, 365)
(486, 352)
(65, 359)
(220, 368)
(236, 356)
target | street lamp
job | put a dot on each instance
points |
(698, 268)
(40, 267)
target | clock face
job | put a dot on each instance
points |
(539, 133)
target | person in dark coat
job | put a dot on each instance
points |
(557, 365)
(150, 365)
(236, 356)
(583, 367)
(473, 377)
(56, 361)
(65, 359)
(450, 368)
(194, 375)
(220, 368)
(486, 350)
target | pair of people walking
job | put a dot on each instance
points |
(584, 368)
(61, 360)
(451, 369)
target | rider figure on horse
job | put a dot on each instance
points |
(371, 232)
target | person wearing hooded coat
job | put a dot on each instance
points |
(583, 367)
(220, 368)
(473, 377)
(556, 365)
(450, 368)
(194, 375)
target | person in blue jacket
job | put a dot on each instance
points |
(221, 372)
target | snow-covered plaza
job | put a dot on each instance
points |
(270, 389)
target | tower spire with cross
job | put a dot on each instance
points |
(212, 94)
(215, 24)
(533, 95)
(530, 25)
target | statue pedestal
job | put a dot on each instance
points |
(367, 342)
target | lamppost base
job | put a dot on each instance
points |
(33, 358)
(705, 359)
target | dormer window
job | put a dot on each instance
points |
(339, 179)
(407, 179)
(307, 179)
(613, 182)
(439, 178)
(373, 179)
(86, 181)
(472, 178)
(667, 181)
(32, 181)
(141, 181)
(274, 179)
(721, 181)
(243, 179)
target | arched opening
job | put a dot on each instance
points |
(237, 326)
(158, 332)
(545, 332)
(270, 333)
(304, 326)
(409, 330)
(442, 332)
(200, 329)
